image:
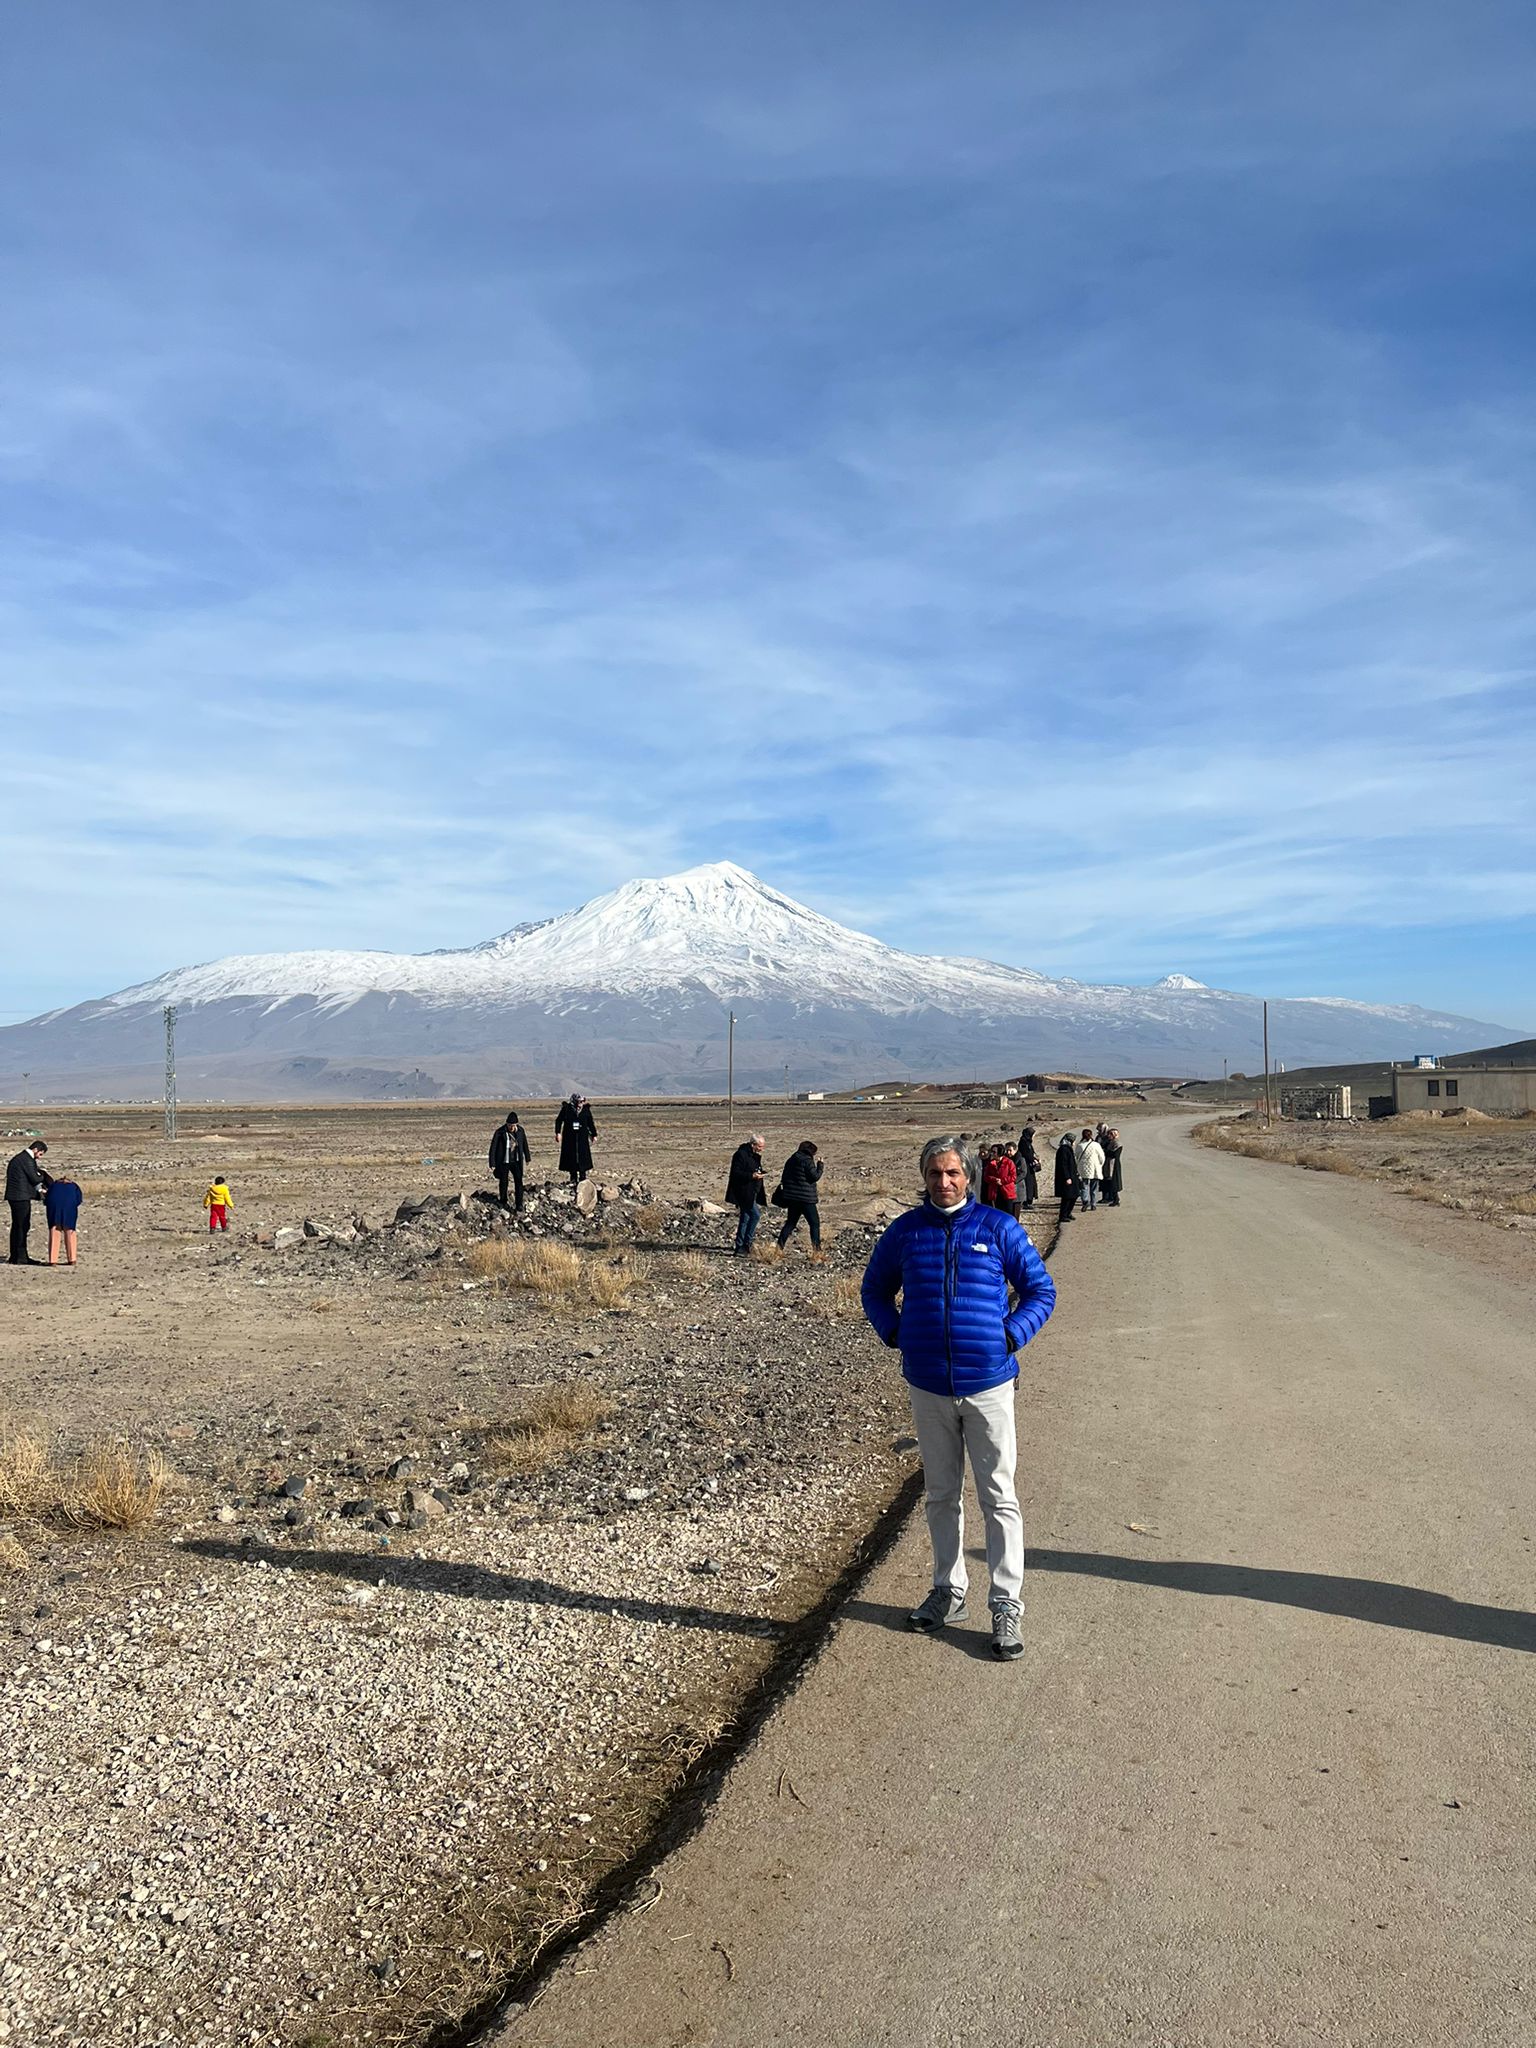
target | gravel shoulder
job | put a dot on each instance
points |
(305, 1764)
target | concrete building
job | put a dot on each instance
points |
(1496, 1091)
(1326, 1103)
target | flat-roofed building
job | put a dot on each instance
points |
(1495, 1091)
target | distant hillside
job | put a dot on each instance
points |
(1371, 1079)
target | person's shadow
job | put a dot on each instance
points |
(1380, 1601)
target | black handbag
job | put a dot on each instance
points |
(778, 1198)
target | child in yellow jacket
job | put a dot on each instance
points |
(218, 1202)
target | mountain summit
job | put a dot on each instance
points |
(714, 929)
(626, 993)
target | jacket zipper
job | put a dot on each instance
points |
(949, 1295)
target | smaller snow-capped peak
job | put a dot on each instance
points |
(1182, 984)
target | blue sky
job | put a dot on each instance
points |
(1033, 480)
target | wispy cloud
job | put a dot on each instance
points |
(1044, 487)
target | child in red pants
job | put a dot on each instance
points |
(218, 1202)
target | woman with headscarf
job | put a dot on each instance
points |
(575, 1128)
(1112, 1180)
(1068, 1184)
(797, 1184)
(1028, 1168)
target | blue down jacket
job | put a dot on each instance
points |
(956, 1332)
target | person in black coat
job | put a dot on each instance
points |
(802, 1170)
(1113, 1183)
(509, 1152)
(744, 1190)
(1069, 1183)
(1028, 1165)
(26, 1182)
(575, 1128)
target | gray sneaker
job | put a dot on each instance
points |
(942, 1605)
(1007, 1630)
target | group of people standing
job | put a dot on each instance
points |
(1088, 1170)
(797, 1193)
(510, 1153)
(1010, 1175)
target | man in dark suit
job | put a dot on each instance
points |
(509, 1150)
(26, 1182)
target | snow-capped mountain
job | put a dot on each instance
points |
(628, 992)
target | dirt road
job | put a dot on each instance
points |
(1265, 1773)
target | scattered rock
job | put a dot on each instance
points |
(293, 1486)
(586, 1197)
(424, 1501)
(354, 1510)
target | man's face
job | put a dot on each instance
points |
(946, 1179)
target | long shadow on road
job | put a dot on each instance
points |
(1380, 1601)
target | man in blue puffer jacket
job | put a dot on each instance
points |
(953, 1263)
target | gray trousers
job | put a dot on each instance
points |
(981, 1427)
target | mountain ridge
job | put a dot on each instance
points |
(631, 987)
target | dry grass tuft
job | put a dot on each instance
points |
(691, 1266)
(610, 1283)
(651, 1219)
(1316, 1161)
(119, 1488)
(12, 1557)
(1523, 1205)
(110, 1485)
(766, 1252)
(29, 1480)
(847, 1300)
(550, 1270)
(553, 1423)
(554, 1272)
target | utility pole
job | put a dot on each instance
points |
(730, 1067)
(1223, 1079)
(1266, 1065)
(786, 1081)
(170, 1070)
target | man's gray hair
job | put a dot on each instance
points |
(756, 1138)
(965, 1151)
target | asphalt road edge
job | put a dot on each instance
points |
(704, 1780)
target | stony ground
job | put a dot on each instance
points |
(383, 1692)
(1480, 1166)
